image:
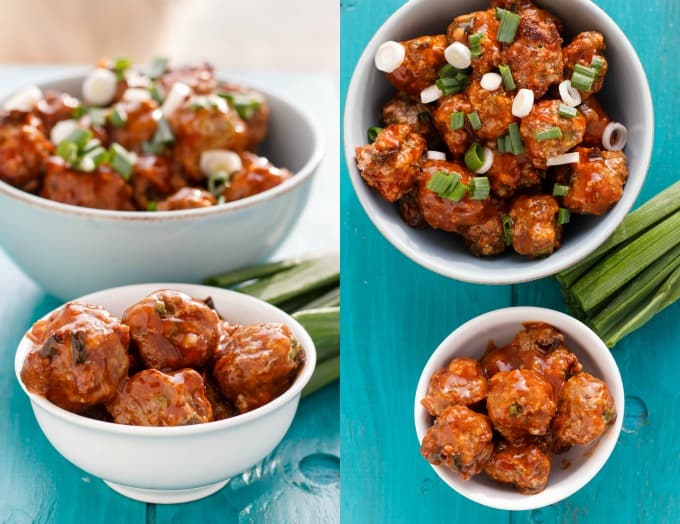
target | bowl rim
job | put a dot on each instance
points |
(298, 178)
(521, 314)
(303, 377)
(532, 270)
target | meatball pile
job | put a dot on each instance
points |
(160, 139)
(171, 360)
(507, 413)
(495, 133)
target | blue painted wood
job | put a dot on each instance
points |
(395, 313)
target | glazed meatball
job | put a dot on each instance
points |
(257, 175)
(151, 180)
(154, 398)
(140, 126)
(461, 382)
(259, 363)
(535, 229)
(544, 116)
(171, 330)
(585, 409)
(201, 125)
(420, 68)
(535, 55)
(402, 109)
(581, 51)
(79, 357)
(457, 140)
(596, 181)
(460, 439)
(483, 22)
(200, 78)
(526, 465)
(252, 107)
(54, 107)
(596, 121)
(100, 189)
(494, 109)
(222, 408)
(486, 238)
(520, 402)
(443, 213)
(510, 174)
(23, 149)
(410, 210)
(187, 198)
(392, 163)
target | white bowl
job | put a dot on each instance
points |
(626, 98)
(72, 250)
(501, 325)
(174, 464)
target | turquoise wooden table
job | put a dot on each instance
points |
(395, 313)
(298, 482)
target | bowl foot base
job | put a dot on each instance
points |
(166, 496)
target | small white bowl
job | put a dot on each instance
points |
(170, 465)
(72, 250)
(626, 98)
(501, 325)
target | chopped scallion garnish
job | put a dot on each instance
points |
(121, 160)
(157, 92)
(152, 205)
(474, 157)
(118, 117)
(68, 151)
(515, 139)
(453, 80)
(506, 75)
(549, 134)
(475, 44)
(507, 229)
(500, 141)
(567, 111)
(245, 105)
(479, 188)
(563, 216)
(441, 182)
(596, 63)
(161, 138)
(475, 122)
(373, 133)
(457, 193)
(585, 70)
(158, 67)
(508, 26)
(120, 65)
(560, 190)
(217, 182)
(581, 81)
(457, 120)
(508, 144)
(97, 116)
(80, 137)
(449, 86)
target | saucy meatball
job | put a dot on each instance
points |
(392, 163)
(525, 464)
(259, 363)
(479, 22)
(457, 140)
(520, 402)
(460, 439)
(402, 109)
(151, 180)
(154, 398)
(596, 181)
(23, 149)
(420, 68)
(535, 230)
(581, 50)
(200, 78)
(596, 121)
(100, 189)
(510, 174)
(461, 382)
(171, 330)
(257, 175)
(187, 198)
(487, 237)
(494, 109)
(410, 211)
(79, 357)
(221, 407)
(140, 125)
(54, 107)
(543, 117)
(585, 409)
(254, 110)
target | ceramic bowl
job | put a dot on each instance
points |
(71, 250)
(501, 325)
(183, 463)
(626, 98)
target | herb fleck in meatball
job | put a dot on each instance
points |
(457, 140)
(535, 230)
(581, 50)
(461, 382)
(257, 175)
(187, 198)
(526, 465)
(494, 109)
(420, 68)
(479, 22)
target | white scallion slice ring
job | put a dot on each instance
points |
(436, 155)
(569, 95)
(389, 56)
(458, 55)
(523, 103)
(566, 158)
(62, 129)
(220, 161)
(431, 94)
(99, 87)
(614, 137)
(136, 94)
(178, 92)
(491, 81)
(24, 100)
(488, 162)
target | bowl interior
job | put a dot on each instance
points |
(626, 98)
(571, 470)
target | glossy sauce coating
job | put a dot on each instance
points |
(461, 382)
(420, 68)
(596, 121)
(535, 231)
(258, 174)
(187, 198)
(526, 465)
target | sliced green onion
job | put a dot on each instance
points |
(161, 138)
(508, 144)
(563, 216)
(97, 116)
(500, 142)
(118, 117)
(91, 145)
(585, 70)
(79, 111)
(152, 205)
(121, 160)
(508, 26)
(245, 105)
(80, 137)
(506, 75)
(507, 229)
(457, 193)
(475, 44)
(567, 111)
(373, 133)
(452, 80)
(449, 86)
(596, 63)
(515, 139)
(217, 182)
(474, 156)
(157, 92)
(581, 81)
(475, 122)
(157, 67)
(560, 190)
(441, 182)
(457, 120)
(479, 188)
(120, 65)
(548, 134)
(68, 151)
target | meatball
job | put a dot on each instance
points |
(257, 175)
(202, 125)
(460, 439)
(510, 174)
(79, 357)
(535, 55)
(461, 382)
(392, 163)
(100, 189)
(259, 363)
(221, 407)
(154, 398)
(486, 238)
(585, 409)
(483, 22)
(54, 107)
(457, 140)
(494, 109)
(410, 210)
(151, 180)
(520, 402)
(420, 68)
(596, 181)
(596, 121)
(252, 107)
(140, 126)
(544, 116)
(581, 51)
(535, 230)
(171, 330)
(23, 149)
(187, 198)
(443, 213)
(200, 78)
(402, 109)
(525, 464)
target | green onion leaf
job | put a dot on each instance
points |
(441, 182)
(474, 156)
(475, 44)
(549, 134)
(152, 205)
(157, 67)
(452, 80)
(563, 216)
(457, 120)
(508, 26)
(507, 229)
(581, 81)
(500, 141)
(68, 151)
(457, 193)
(506, 75)
(157, 92)
(560, 190)
(475, 122)
(515, 139)
(567, 111)
(120, 65)
(79, 111)
(373, 133)
(118, 116)
(596, 63)
(585, 70)
(479, 188)
(449, 86)
(121, 160)
(161, 138)
(245, 105)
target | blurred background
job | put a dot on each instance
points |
(251, 35)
